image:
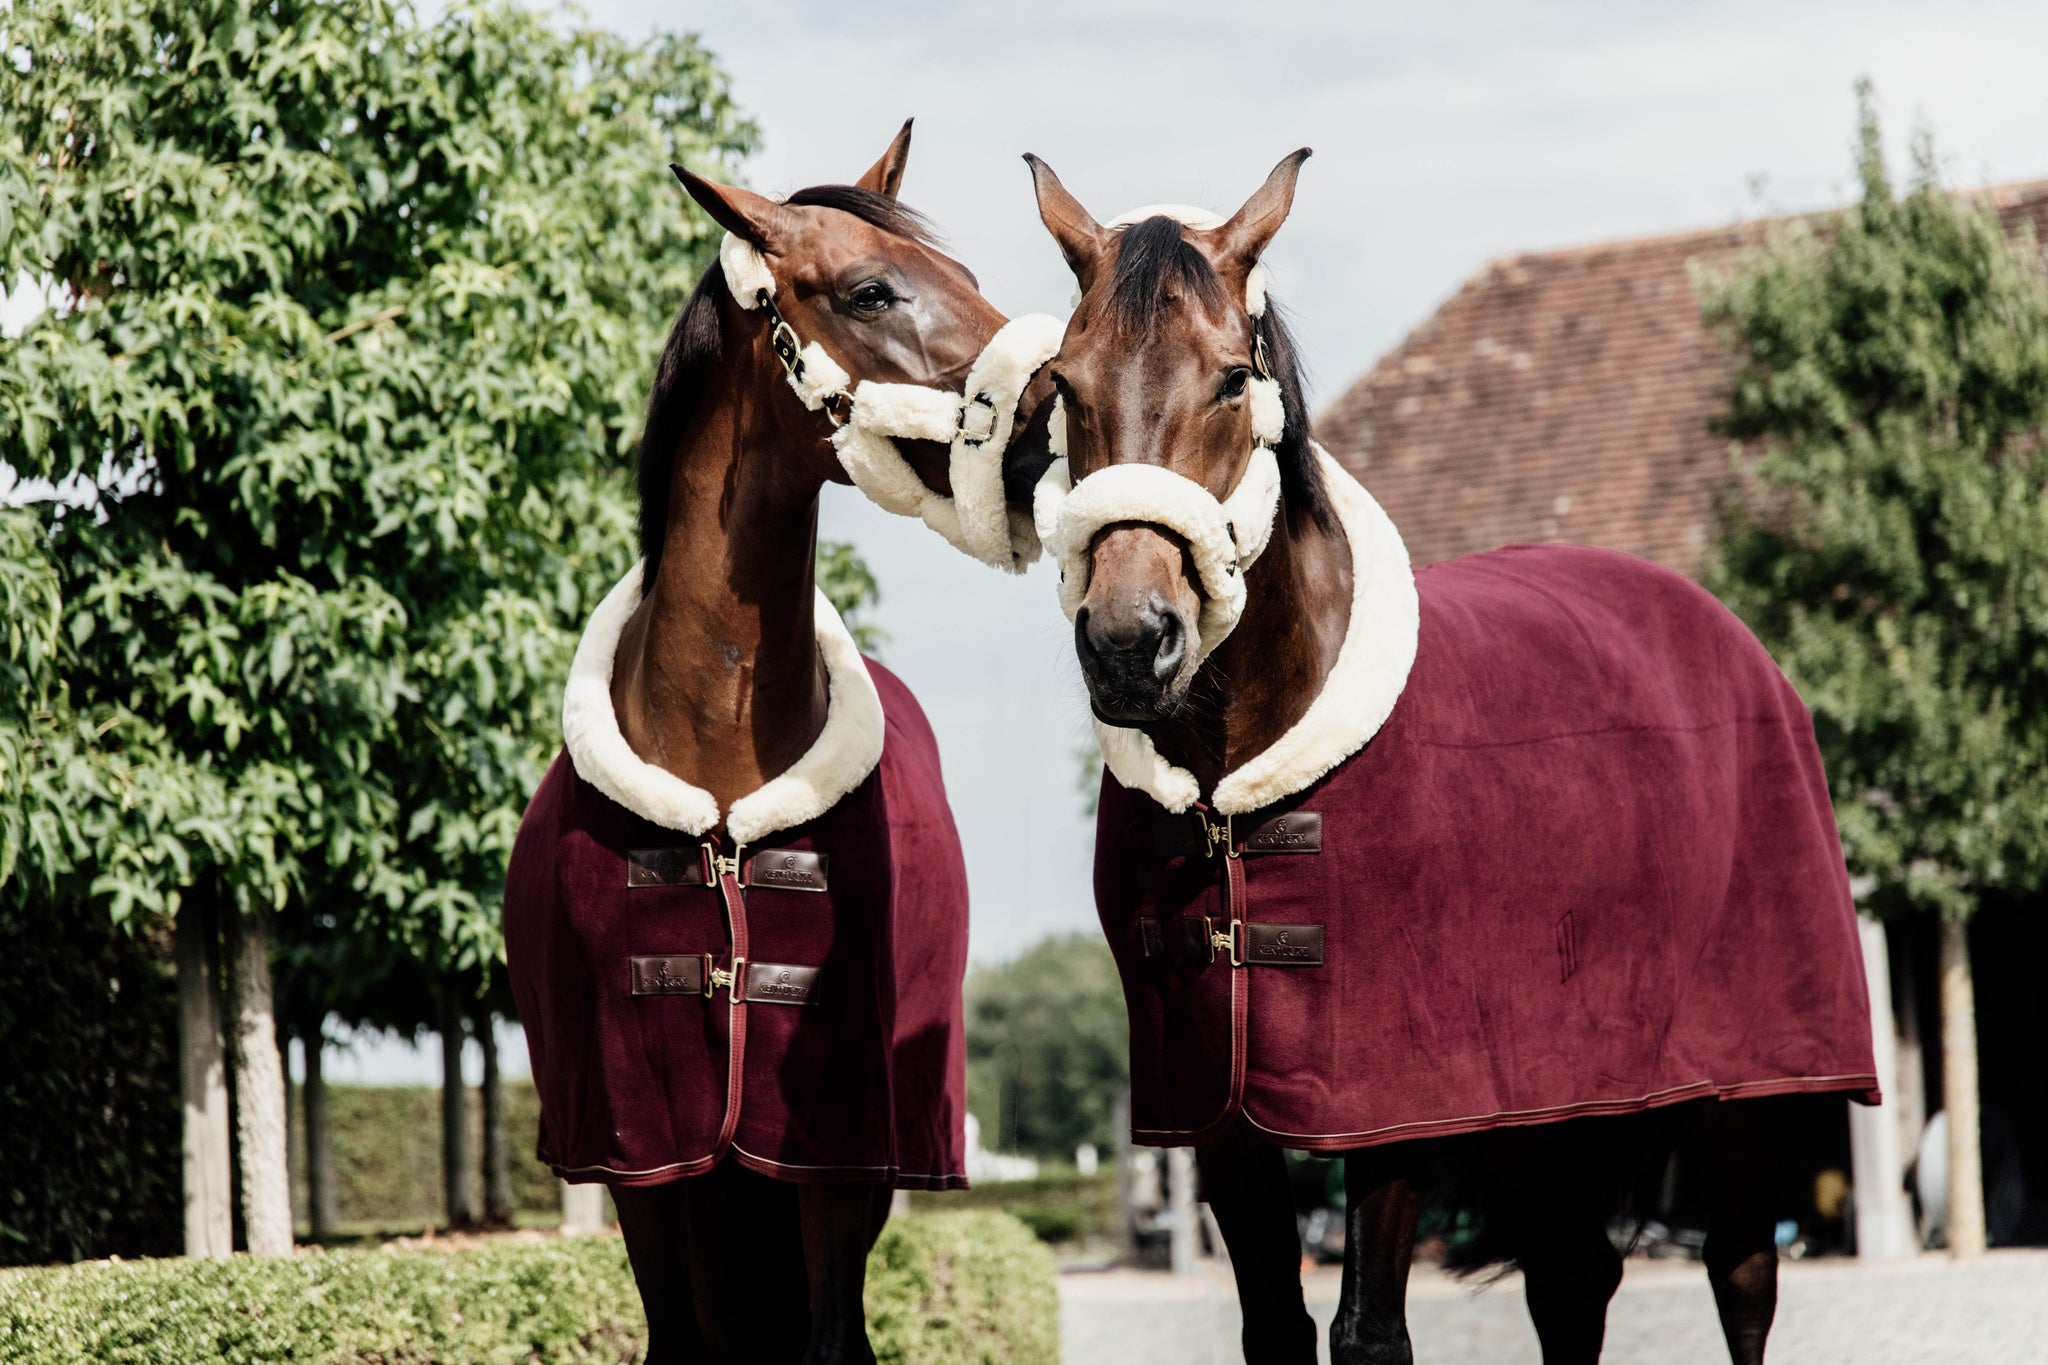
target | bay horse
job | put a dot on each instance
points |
(1496, 877)
(736, 910)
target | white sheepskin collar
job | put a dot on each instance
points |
(977, 425)
(1359, 694)
(842, 756)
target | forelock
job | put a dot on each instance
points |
(1153, 261)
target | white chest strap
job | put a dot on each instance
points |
(871, 417)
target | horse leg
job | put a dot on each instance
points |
(840, 1224)
(1569, 1273)
(1742, 1247)
(746, 1267)
(1382, 1205)
(1245, 1182)
(1548, 1185)
(657, 1244)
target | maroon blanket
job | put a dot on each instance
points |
(1588, 866)
(848, 1025)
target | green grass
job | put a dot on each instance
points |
(967, 1287)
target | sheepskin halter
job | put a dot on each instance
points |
(1224, 536)
(870, 417)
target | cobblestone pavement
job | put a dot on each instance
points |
(1929, 1311)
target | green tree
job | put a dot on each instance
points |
(354, 318)
(1890, 391)
(1048, 1048)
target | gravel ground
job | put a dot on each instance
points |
(1929, 1311)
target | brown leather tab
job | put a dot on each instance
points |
(1176, 836)
(669, 974)
(1298, 831)
(1151, 942)
(787, 869)
(776, 983)
(1283, 945)
(1195, 940)
(665, 867)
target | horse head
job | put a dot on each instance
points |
(1181, 421)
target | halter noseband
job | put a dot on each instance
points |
(1224, 537)
(869, 417)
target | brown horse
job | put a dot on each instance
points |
(725, 685)
(1213, 648)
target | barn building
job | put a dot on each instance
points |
(1568, 396)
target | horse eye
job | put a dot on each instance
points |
(871, 297)
(1233, 383)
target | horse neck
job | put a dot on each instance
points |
(1262, 679)
(718, 677)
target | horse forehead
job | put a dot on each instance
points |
(833, 241)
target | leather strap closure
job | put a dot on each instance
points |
(1200, 832)
(671, 973)
(1151, 941)
(777, 983)
(780, 869)
(1283, 945)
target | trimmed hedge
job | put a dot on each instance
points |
(386, 1142)
(973, 1288)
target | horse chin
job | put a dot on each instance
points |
(1133, 710)
(931, 461)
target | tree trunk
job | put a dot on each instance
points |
(497, 1150)
(259, 1094)
(582, 1208)
(1184, 1245)
(203, 1079)
(455, 1160)
(321, 1216)
(1884, 1222)
(1959, 1090)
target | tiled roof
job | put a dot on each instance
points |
(1562, 396)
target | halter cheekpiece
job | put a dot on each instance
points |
(868, 417)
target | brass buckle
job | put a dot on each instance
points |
(1227, 940)
(722, 865)
(1215, 835)
(714, 977)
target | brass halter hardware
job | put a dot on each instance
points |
(838, 405)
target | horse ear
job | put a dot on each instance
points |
(754, 218)
(1082, 240)
(886, 175)
(1241, 241)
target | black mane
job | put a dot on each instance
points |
(1153, 257)
(696, 344)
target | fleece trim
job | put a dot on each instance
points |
(1223, 537)
(746, 271)
(840, 759)
(976, 425)
(1356, 699)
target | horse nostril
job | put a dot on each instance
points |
(1172, 644)
(1083, 646)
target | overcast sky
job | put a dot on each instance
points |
(1445, 135)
